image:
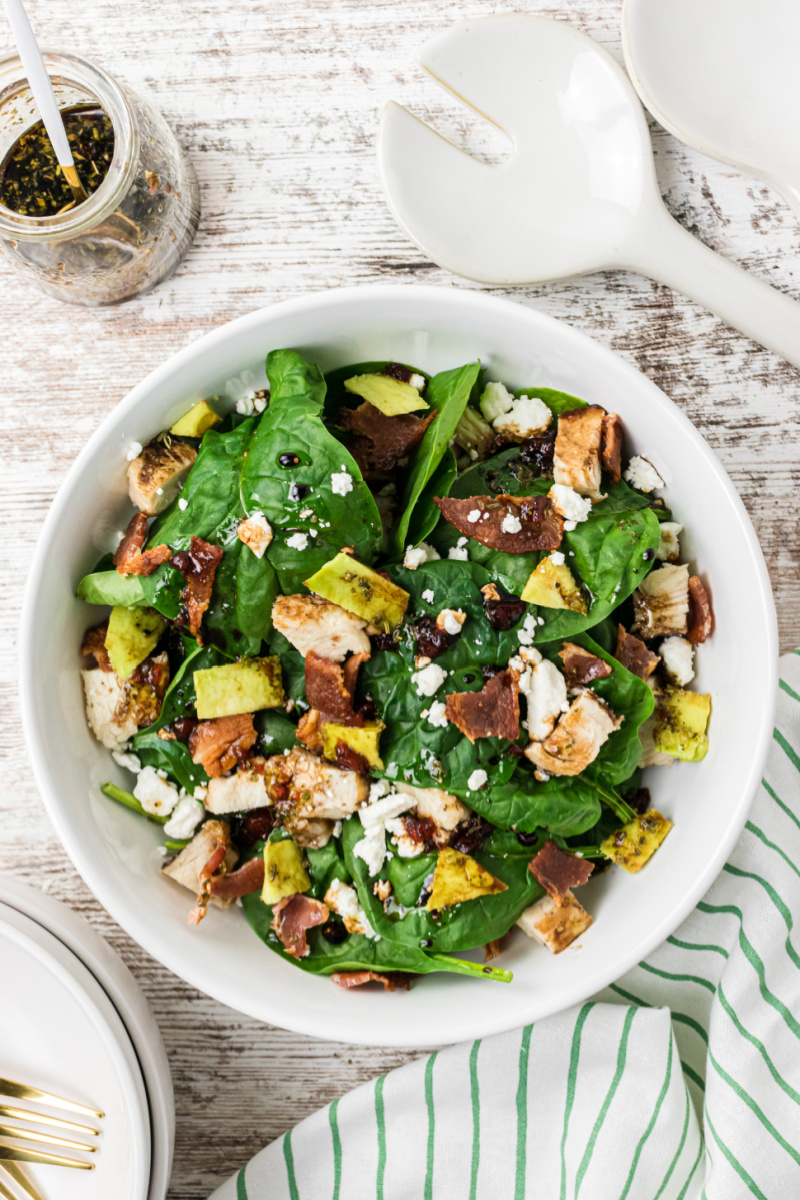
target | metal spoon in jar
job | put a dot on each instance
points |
(43, 94)
(578, 192)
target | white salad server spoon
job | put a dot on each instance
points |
(578, 192)
(722, 76)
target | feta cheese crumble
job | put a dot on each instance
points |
(477, 779)
(527, 417)
(557, 558)
(182, 504)
(437, 714)
(528, 631)
(642, 475)
(156, 796)
(495, 401)
(546, 697)
(298, 541)
(677, 655)
(341, 482)
(415, 556)
(669, 547)
(133, 451)
(129, 762)
(451, 620)
(511, 523)
(429, 680)
(428, 596)
(187, 815)
(343, 899)
(569, 505)
(474, 515)
(256, 532)
(459, 552)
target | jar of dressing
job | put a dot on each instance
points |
(143, 204)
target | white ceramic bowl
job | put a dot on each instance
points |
(115, 850)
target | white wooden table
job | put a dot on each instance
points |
(277, 104)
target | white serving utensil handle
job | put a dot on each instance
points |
(39, 79)
(665, 251)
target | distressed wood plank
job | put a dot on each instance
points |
(277, 104)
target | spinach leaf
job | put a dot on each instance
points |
(425, 515)
(109, 587)
(557, 402)
(179, 701)
(357, 952)
(463, 926)
(288, 475)
(448, 392)
(609, 553)
(276, 732)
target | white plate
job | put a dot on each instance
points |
(115, 850)
(126, 996)
(60, 1032)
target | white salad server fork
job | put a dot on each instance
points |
(578, 192)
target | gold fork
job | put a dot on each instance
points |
(11, 1155)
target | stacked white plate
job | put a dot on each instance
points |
(74, 1022)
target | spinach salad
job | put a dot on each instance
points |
(385, 658)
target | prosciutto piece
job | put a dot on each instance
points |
(580, 666)
(559, 872)
(634, 655)
(221, 744)
(131, 558)
(330, 687)
(700, 621)
(391, 980)
(249, 878)
(198, 565)
(381, 441)
(491, 712)
(292, 917)
(513, 524)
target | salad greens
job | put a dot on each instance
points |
(431, 852)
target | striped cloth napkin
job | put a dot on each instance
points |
(679, 1082)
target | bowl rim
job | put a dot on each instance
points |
(356, 1030)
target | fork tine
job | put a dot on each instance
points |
(18, 1175)
(20, 1091)
(27, 1114)
(18, 1154)
(46, 1139)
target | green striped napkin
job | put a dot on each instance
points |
(679, 1082)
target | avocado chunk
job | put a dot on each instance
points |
(552, 585)
(284, 873)
(457, 878)
(196, 421)
(238, 687)
(360, 590)
(632, 845)
(390, 396)
(681, 723)
(363, 739)
(133, 633)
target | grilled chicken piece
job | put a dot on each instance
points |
(555, 925)
(156, 476)
(661, 603)
(577, 738)
(116, 708)
(545, 692)
(311, 623)
(321, 790)
(447, 812)
(577, 462)
(240, 792)
(187, 868)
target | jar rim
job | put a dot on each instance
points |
(69, 69)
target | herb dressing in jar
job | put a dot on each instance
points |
(142, 207)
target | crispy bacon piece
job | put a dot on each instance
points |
(612, 447)
(130, 558)
(634, 655)
(221, 744)
(491, 712)
(577, 461)
(382, 441)
(391, 980)
(558, 872)
(701, 619)
(94, 643)
(198, 565)
(292, 917)
(581, 667)
(330, 688)
(249, 878)
(540, 526)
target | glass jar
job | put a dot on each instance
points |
(135, 229)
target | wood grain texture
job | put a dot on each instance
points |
(277, 103)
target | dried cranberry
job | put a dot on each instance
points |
(256, 826)
(398, 371)
(538, 452)
(182, 728)
(350, 759)
(367, 709)
(431, 642)
(471, 834)
(506, 612)
(383, 641)
(420, 829)
(334, 932)
(639, 800)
